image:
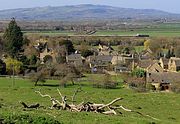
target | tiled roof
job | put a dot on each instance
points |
(74, 56)
(104, 58)
(164, 77)
(146, 63)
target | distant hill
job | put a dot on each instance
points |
(83, 12)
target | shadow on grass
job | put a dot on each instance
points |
(80, 85)
(48, 85)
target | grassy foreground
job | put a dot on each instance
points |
(164, 106)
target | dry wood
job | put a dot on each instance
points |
(88, 106)
(55, 103)
(30, 106)
(112, 102)
(128, 110)
(110, 112)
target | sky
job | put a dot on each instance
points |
(165, 5)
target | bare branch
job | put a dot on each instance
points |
(88, 107)
(75, 93)
(128, 110)
(46, 95)
(112, 102)
(53, 100)
(110, 112)
(60, 93)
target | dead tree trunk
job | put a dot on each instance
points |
(87, 106)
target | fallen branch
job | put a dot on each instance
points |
(30, 106)
(128, 110)
(112, 102)
(43, 95)
(53, 100)
(87, 106)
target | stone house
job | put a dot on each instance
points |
(100, 61)
(121, 68)
(47, 52)
(105, 50)
(146, 55)
(162, 80)
(174, 64)
(75, 59)
(117, 60)
(150, 66)
(122, 63)
(164, 63)
(144, 64)
(155, 67)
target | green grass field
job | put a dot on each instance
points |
(150, 32)
(153, 30)
(164, 106)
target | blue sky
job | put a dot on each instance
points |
(166, 5)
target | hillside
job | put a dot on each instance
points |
(84, 12)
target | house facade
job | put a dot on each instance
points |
(164, 63)
(174, 64)
(162, 80)
(155, 67)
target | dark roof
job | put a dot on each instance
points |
(74, 57)
(146, 63)
(106, 58)
(164, 77)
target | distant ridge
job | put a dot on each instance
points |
(83, 12)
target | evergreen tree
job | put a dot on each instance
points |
(2, 67)
(33, 60)
(168, 55)
(68, 46)
(177, 51)
(172, 53)
(13, 38)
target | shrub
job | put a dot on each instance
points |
(137, 84)
(105, 82)
(175, 87)
(26, 119)
(150, 87)
(33, 60)
(13, 64)
(86, 53)
(63, 83)
(139, 73)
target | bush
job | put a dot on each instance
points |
(2, 67)
(86, 53)
(175, 87)
(38, 77)
(139, 73)
(137, 84)
(26, 119)
(150, 87)
(13, 63)
(63, 83)
(109, 85)
(48, 58)
(33, 60)
(105, 82)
